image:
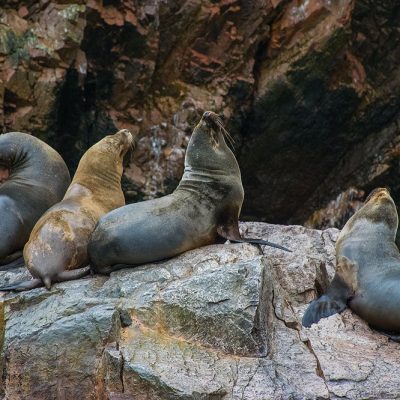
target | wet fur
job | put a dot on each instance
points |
(206, 203)
(368, 242)
(57, 247)
(37, 178)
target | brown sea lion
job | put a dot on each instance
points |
(206, 203)
(33, 177)
(367, 275)
(57, 247)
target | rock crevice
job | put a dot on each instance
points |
(220, 322)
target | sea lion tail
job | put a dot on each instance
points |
(22, 286)
(324, 307)
(47, 282)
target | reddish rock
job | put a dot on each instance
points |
(309, 90)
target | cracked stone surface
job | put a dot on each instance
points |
(219, 322)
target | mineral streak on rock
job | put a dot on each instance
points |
(309, 89)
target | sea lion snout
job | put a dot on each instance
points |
(377, 194)
(209, 114)
(211, 119)
(126, 136)
(4, 173)
(126, 139)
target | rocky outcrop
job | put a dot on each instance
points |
(325, 118)
(309, 89)
(219, 322)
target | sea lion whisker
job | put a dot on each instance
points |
(228, 137)
(226, 132)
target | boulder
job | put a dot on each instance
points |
(218, 322)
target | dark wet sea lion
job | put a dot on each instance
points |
(33, 177)
(206, 203)
(57, 247)
(367, 275)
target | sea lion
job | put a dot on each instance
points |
(33, 177)
(206, 203)
(367, 275)
(57, 247)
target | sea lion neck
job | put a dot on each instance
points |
(208, 156)
(378, 216)
(99, 170)
(22, 155)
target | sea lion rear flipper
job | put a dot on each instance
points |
(106, 270)
(395, 337)
(231, 233)
(22, 286)
(341, 289)
(14, 260)
(73, 274)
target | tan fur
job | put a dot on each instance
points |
(348, 271)
(59, 240)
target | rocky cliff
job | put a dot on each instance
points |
(220, 322)
(308, 88)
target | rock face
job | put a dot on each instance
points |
(309, 89)
(219, 322)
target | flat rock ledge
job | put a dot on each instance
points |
(219, 322)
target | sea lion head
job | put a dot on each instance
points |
(207, 149)
(4, 173)
(105, 157)
(377, 217)
(379, 207)
(16, 152)
(117, 144)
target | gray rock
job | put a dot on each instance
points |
(219, 322)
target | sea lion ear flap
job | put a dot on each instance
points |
(231, 232)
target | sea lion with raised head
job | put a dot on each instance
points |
(206, 203)
(367, 275)
(33, 177)
(57, 247)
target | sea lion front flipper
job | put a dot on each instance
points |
(22, 286)
(324, 307)
(231, 232)
(341, 289)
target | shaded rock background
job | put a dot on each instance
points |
(308, 88)
(220, 322)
